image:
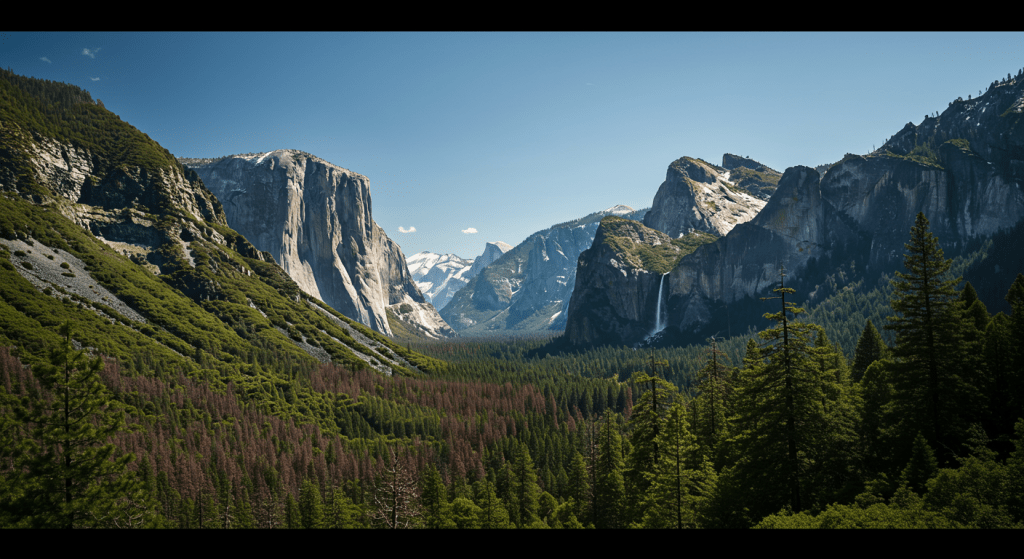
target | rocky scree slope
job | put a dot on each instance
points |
(315, 219)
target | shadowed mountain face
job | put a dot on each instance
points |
(315, 219)
(527, 289)
(962, 169)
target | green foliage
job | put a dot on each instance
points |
(870, 348)
(609, 485)
(646, 422)
(930, 394)
(68, 472)
(661, 258)
(668, 501)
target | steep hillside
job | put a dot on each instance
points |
(103, 227)
(698, 196)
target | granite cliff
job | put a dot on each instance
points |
(963, 169)
(315, 219)
(698, 196)
(102, 228)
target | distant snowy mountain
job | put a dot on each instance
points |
(528, 288)
(440, 276)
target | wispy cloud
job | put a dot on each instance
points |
(469, 231)
(91, 53)
(404, 230)
(46, 60)
(95, 79)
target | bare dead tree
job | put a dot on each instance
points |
(396, 495)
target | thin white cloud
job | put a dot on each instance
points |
(404, 230)
(91, 53)
(44, 59)
(95, 79)
(469, 231)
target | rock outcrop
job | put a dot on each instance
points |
(616, 298)
(528, 288)
(315, 219)
(697, 196)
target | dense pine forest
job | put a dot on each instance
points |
(898, 404)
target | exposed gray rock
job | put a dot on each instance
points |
(492, 252)
(440, 277)
(529, 287)
(615, 300)
(963, 170)
(315, 219)
(697, 196)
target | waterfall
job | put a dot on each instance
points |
(659, 323)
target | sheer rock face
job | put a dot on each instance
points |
(963, 169)
(315, 219)
(492, 252)
(697, 196)
(614, 299)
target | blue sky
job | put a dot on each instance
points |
(508, 133)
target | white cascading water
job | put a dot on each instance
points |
(659, 323)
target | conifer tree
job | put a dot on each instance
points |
(931, 395)
(396, 495)
(711, 408)
(493, 513)
(876, 394)
(524, 486)
(921, 467)
(646, 423)
(437, 511)
(311, 507)
(579, 488)
(998, 354)
(609, 487)
(780, 415)
(668, 501)
(1015, 296)
(68, 471)
(870, 348)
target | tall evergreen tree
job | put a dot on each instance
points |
(311, 507)
(930, 394)
(524, 485)
(780, 415)
(437, 511)
(711, 407)
(870, 348)
(609, 487)
(668, 499)
(646, 424)
(1015, 296)
(68, 471)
